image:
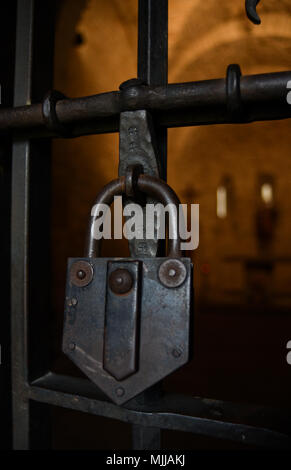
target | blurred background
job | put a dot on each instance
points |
(239, 174)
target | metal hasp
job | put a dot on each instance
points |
(137, 146)
(128, 321)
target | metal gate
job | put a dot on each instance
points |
(233, 99)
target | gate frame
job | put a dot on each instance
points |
(34, 386)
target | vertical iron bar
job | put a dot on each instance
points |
(7, 37)
(153, 56)
(30, 227)
(145, 437)
(19, 230)
(152, 69)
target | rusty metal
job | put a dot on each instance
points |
(172, 273)
(131, 176)
(180, 104)
(50, 117)
(129, 324)
(144, 325)
(158, 189)
(120, 281)
(35, 387)
(114, 188)
(122, 319)
(137, 145)
(81, 273)
(138, 153)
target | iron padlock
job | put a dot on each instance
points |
(128, 321)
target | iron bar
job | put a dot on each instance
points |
(7, 56)
(152, 65)
(263, 97)
(211, 418)
(153, 41)
(19, 232)
(153, 58)
(30, 192)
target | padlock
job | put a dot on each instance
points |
(128, 321)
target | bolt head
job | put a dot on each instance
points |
(120, 281)
(172, 273)
(120, 391)
(81, 273)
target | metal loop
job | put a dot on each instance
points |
(49, 113)
(131, 177)
(233, 96)
(251, 11)
(149, 185)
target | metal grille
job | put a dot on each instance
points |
(232, 99)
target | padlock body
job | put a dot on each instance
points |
(125, 342)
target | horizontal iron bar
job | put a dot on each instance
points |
(170, 412)
(263, 97)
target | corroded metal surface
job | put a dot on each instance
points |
(122, 318)
(137, 146)
(174, 105)
(154, 187)
(165, 327)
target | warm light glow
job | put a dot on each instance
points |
(267, 193)
(221, 202)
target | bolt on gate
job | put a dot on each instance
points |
(34, 122)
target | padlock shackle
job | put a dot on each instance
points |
(154, 187)
(106, 196)
(161, 191)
